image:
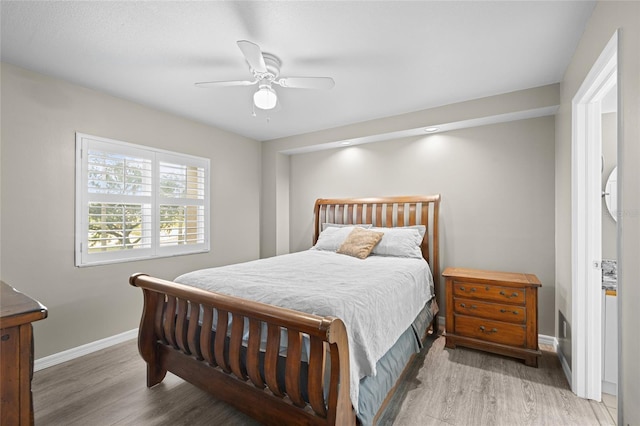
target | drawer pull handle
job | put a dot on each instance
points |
(5, 337)
(514, 294)
(506, 310)
(485, 331)
(464, 305)
(473, 289)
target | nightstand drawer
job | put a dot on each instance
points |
(496, 311)
(489, 292)
(491, 331)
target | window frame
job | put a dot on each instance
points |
(83, 197)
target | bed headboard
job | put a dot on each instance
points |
(386, 212)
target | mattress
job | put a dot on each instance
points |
(378, 298)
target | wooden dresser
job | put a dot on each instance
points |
(17, 312)
(493, 311)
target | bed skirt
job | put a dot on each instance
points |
(374, 389)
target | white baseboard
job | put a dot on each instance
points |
(548, 340)
(73, 353)
(565, 365)
(610, 388)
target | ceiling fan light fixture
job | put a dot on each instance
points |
(265, 69)
(265, 97)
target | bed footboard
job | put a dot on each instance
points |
(216, 342)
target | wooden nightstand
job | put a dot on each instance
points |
(493, 311)
(17, 312)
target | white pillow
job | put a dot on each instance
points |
(399, 242)
(339, 225)
(421, 229)
(332, 238)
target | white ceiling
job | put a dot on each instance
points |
(386, 57)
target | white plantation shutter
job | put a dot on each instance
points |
(135, 202)
(118, 200)
(181, 200)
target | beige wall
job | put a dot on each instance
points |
(607, 17)
(274, 239)
(497, 192)
(40, 116)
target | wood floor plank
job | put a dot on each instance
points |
(468, 387)
(442, 387)
(108, 388)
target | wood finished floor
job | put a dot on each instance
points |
(442, 387)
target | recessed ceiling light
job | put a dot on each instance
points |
(431, 129)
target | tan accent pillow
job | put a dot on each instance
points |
(360, 242)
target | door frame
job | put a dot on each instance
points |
(586, 224)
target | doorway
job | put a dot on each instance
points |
(586, 212)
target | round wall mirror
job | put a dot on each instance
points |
(611, 194)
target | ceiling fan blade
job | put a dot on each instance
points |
(253, 55)
(207, 84)
(306, 82)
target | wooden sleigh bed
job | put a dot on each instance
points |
(231, 346)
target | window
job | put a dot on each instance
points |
(134, 202)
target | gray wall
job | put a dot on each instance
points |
(40, 116)
(497, 192)
(607, 17)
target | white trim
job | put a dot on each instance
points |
(543, 339)
(565, 365)
(586, 223)
(610, 388)
(73, 353)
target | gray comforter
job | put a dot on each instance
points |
(377, 298)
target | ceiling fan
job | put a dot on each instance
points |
(265, 68)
